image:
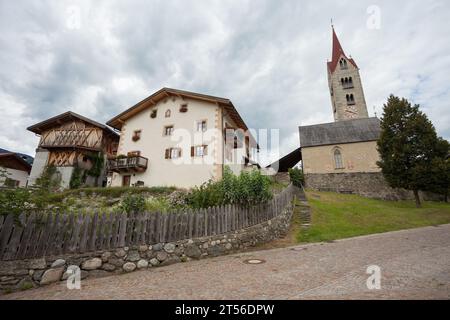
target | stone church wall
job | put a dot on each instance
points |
(367, 184)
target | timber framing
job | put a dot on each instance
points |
(70, 138)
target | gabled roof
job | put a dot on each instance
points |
(348, 131)
(40, 127)
(14, 161)
(337, 53)
(118, 120)
(287, 162)
(24, 156)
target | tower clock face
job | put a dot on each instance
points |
(351, 112)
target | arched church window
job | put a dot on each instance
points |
(338, 164)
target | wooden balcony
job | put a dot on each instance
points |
(128, 164)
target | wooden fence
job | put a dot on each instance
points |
(38, 235)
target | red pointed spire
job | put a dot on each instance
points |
(337, 53)
(337, 48)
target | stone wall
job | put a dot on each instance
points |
(25, 274)
(367, 184)
(282, 177)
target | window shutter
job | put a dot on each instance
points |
(167, 153)
(205, 150)
(192, 151)
(179, 153)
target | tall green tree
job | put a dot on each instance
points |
(409, 147)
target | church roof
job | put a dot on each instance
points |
(287, 162)
(337, 52)
(347, 131)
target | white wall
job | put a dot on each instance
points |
(39, 163)
(236, 162)
(186, 172)
(21, 176)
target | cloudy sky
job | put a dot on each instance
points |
(269, 57)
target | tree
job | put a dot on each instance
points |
(440, 176)
(409, 147)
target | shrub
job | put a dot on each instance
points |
(76, 179)
(296, 176)
(133, 203)
(177, 198)
(207, 195)
(15, 201)
(249, 188)
(157, 205)
(50, 180)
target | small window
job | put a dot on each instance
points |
(154, 113)
(173, 153)
(201, 126)
(168, 130)
(199, 151)
(137, 135)
(350, 99)
(184, 108)
(11, 183)
(168, 113)
(126, 181)
(338, 159)
(85, 158)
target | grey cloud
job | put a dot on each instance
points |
(268, 57)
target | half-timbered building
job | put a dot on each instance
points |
(69, 141)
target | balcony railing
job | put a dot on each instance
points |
(128, 164)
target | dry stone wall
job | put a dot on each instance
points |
(366, 184)
(25, 274)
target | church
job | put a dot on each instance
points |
(342, 156)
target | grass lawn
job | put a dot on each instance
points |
(337, 216)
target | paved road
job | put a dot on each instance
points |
(415, 264)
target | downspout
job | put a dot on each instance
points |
(223, 140)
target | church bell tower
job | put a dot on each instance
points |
(344, 81)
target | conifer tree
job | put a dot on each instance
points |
(410, 148)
